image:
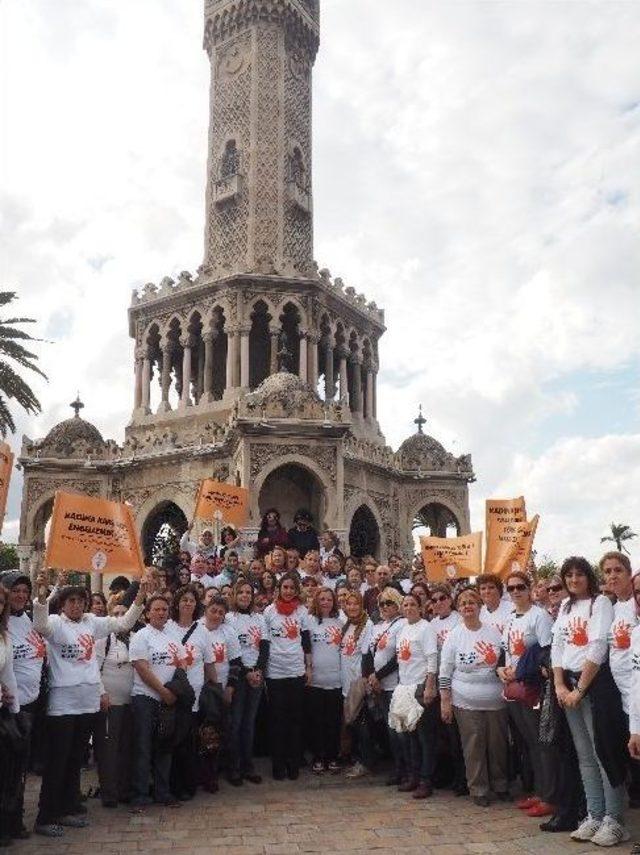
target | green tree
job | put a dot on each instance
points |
(165, 545)
(12, 386)
(619, 534)
(8, 557)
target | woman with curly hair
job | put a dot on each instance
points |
(272, 533)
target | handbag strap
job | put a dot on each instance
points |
(189, 632)
(107, 647)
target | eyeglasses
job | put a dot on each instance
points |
(384, 603)
(554, 589)
(440, 599)
(520, 587)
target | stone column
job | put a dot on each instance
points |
(302, 359)
(344, 378)
(209, 338)
(274, 335)
(232, 338)
(314, 338)
(329, 383)
(374, 393)
(146, 380)
(356, 404)
(137, 396)
(167, 353)
(369, 400)
(244, 355)
(200, 378)
(24, 551)
(185, 399)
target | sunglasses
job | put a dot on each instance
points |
(391, 603)
(440, 599)
(554, 589)
(520, 587)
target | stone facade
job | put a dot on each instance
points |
(260, 368)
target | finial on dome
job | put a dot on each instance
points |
(77, 405)
(420, 421)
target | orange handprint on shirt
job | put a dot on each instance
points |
(189, 656)
(174, 653)
(349, 646)
(256, 635)
(291, 628)
(36, 641)
(578, 632)
(516, 643)
(404, 650)
(622, 636)
(490, 657)
(383, 641)
(219, 651)
(87, 643)
(334, 635)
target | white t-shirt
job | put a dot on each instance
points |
(443, 626)
(383, 646)
(634, 694)
(499, 617)
(197, 653)
(164, 654)
(206, 580)
(625, 620)
(7, 677)
(523, 631)
(286, 657)
(28, 655)
(224, 646)
(116, 670)
(250, 630)
(417, 651)
(581, 633)
(351, 651)
(468, 667)
(326, 636)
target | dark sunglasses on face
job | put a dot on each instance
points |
(440, 599)
(554, 589)
(520, 587)
(389, 603)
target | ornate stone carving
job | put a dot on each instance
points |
(421, 451)
(37, 487)
(285, 396)
(264, 453)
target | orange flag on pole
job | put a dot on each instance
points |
(6, 468)
(226, 499)
(449, 558)
(93, 534)
(502, 519)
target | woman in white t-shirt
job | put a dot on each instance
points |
(578, 657)
(289, 669)
(417, 651)
(187, 630)
(251, 633)
(74, 697)
(11, 757)
(529, 624)
(356, 637)
(471, 692)
(324, 693)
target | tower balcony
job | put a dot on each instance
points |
(227, 189)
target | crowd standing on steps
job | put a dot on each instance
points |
(497, 688)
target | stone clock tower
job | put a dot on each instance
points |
(258, 198)
(260, 369)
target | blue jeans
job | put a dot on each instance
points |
(602, 798)
(146, 754)
(420, 747)
(244, 709)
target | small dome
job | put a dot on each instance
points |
(73, 437)
(422, 451)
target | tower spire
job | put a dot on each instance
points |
(77, 405)
(420, 421)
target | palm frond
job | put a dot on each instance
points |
(10, 332)
(13, 386)
(21, 355)
(6, 420)
(7, 297)
(18, 321)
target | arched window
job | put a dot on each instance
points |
(230, 163)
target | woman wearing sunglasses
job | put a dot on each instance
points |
(583, 684)
(529, 625)
(557, 592)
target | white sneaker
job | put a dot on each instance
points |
(357, 771)
(610, 833)
(586, 829)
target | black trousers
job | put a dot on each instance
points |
(112, 734)
(184, 765)
(67, 737)
(286, 704)
(325, 711)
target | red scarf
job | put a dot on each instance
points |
(286, 608)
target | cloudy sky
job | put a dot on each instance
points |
(476, 173)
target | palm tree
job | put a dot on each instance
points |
(12, 386)
(619, 533)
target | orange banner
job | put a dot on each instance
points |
(230, 501)
(449, 558)
(517, 557)
(502, 518)
(93, 534)
(6, 468)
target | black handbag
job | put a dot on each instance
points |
(11, 736)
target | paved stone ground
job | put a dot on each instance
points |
(327, 815)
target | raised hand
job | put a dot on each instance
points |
(578, 632)
(87, 643)
(291, 628)
(333, 635)
(487, 652)
(404, 650)
(42, 588)
(516, 643)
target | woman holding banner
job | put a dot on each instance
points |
(74, 697)
(288, 670)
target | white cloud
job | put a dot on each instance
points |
(475, 173)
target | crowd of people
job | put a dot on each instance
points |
(338, 663)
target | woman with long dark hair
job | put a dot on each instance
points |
(586, 690)
(289, 669)
(356, 639)
(324, 692)
(272, 533)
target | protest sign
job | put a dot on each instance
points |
(6, 467)
(93, 534)
(517, 558)
(449, 558)
(230, 501)
(502, 518)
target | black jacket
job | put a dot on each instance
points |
(303, 541)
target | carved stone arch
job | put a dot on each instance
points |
(177, 320)
(218, 307)
(330, 505)
(249, 306)
(434, 498)
(34, 517)
(290, 300)
(357, 500)
(157, 498)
